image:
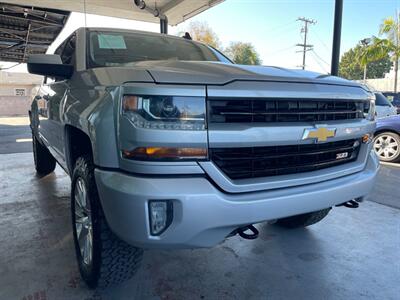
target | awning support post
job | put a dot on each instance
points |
(337, 30)
(141, 4)
(164, 25)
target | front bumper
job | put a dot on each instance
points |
(203, 215)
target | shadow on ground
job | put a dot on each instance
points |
(352, 254)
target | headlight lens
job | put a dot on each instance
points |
(165, 112)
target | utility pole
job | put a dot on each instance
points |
(305, 46)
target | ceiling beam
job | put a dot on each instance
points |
(19, 18)
(32, 13)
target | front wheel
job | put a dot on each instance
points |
(102, 257)
(387, 146)
(304, 219)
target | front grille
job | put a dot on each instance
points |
(249, 162)
(284, 110)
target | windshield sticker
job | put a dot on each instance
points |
(108, 41)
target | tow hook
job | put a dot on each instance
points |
(242, 232)
(355, 203)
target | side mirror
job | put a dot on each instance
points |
(49, 65)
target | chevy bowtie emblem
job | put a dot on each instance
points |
(320, 134)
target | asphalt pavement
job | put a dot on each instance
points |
(15, 135)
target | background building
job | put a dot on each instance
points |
(383, 84)
(16, 91)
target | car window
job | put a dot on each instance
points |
(393, 96)
(381, 100)
(390, 98)
(122, 48)
(60, 48)
(67, 55)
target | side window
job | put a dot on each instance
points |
(380, 100)
(68, 53)
(60, 48)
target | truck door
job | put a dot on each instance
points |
(55, 93)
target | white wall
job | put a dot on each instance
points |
(12, 104)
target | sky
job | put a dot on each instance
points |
(271, 26)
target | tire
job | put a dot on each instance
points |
(108, 260)
(303, 220)
(387, 146)
(44, 161)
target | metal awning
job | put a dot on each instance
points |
(27, 30)
(30, 26)
(177, 11)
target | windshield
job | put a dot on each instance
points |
(123, 48)
(381, 100)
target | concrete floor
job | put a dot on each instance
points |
(352, 254)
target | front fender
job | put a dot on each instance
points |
(92, 111)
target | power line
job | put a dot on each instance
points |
(279, 27)
(320, 58)
(281, 50)
(306, 47)
(317, 61)
(279, 30)
(314, 33)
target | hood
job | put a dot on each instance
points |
(217, 73)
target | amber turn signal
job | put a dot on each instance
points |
(165, 153)
(367, 138)
(130, 103)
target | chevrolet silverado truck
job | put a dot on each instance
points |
(171, 145)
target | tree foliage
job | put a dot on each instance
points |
(243, 53)
(353, 61)
(202, 32)
(390, 28)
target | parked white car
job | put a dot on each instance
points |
(383, 106)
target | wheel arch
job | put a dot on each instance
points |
(383, 130)
(77, 143)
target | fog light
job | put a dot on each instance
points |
(160, 215)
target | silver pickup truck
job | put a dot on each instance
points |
(171, 145)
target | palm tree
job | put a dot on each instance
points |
(366, 56)
(371, 50)
(391, 29)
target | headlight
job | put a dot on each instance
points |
(369, 110)
(165, 112)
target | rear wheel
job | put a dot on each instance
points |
(44, 161)
(387, 146)
(102, 257)
(304, 219)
